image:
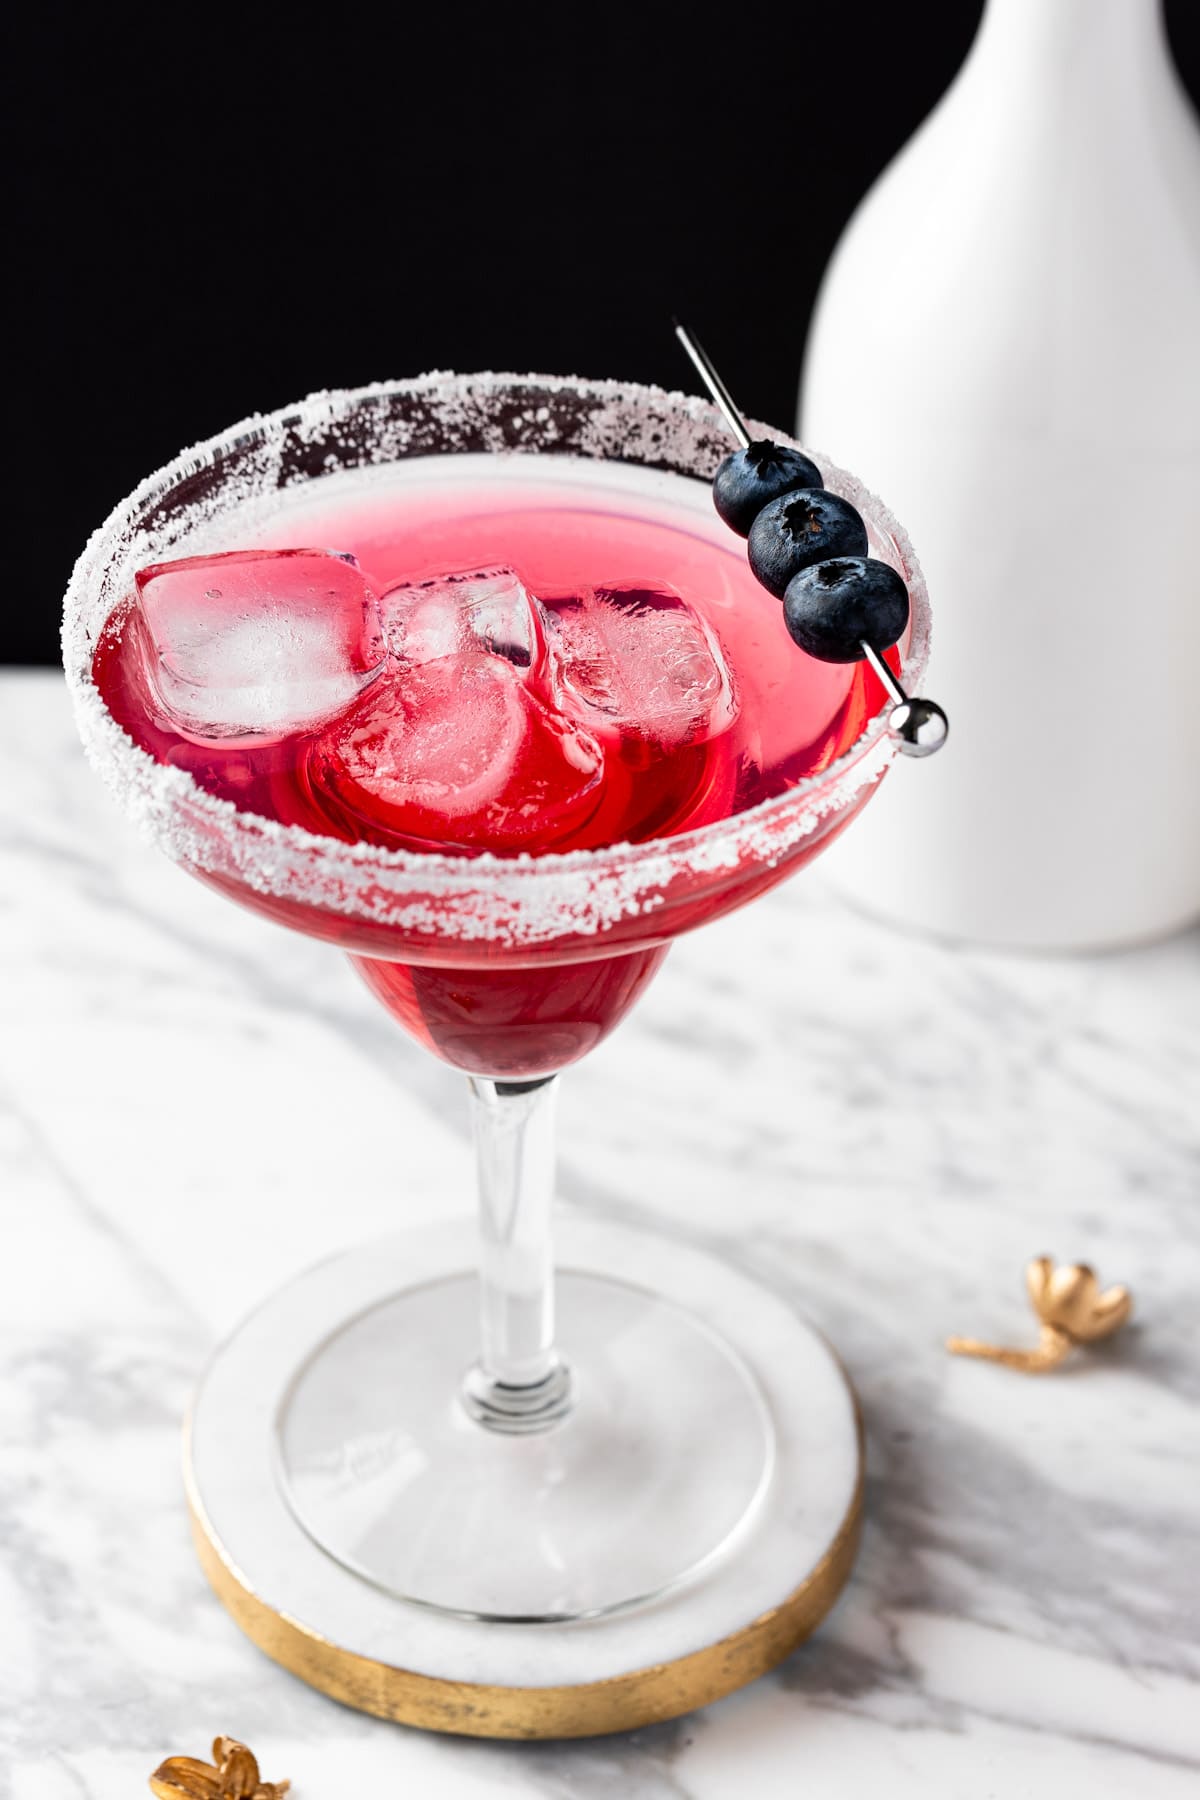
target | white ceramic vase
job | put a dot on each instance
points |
(1007, 345)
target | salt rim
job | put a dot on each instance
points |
(514, 901)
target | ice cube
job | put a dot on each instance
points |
(643, 661)
(484, 609)
(257, 644)
(458, 752)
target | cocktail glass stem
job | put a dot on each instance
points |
(520, 1383)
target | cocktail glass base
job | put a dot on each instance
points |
(691, 1517)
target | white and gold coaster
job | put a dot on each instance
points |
(735, 1616)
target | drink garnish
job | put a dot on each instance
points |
(760, 471)
(838, 607)
(832, 607)
(807, 526)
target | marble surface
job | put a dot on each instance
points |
(194, 1105)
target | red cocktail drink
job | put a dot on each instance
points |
(516, 659)
(465, 676)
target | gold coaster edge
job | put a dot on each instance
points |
(639, 1697)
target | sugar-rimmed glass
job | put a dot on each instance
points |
(539, 1481)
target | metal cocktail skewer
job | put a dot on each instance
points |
(919, 726)
(706, 369)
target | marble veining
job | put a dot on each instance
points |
(194, 1105)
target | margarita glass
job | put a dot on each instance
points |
(536, 1483)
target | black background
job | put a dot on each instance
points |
(215, 213)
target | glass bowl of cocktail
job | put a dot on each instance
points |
(465, 676)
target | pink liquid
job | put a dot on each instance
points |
(595, 778)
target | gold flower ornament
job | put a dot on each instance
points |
(232, 1775)
(1072, 1311)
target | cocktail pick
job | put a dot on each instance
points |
(920, 727)
(1072, 1310)
(232, 1775)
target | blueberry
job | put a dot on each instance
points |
(748, 478)
(830, 607)
(806, 527)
